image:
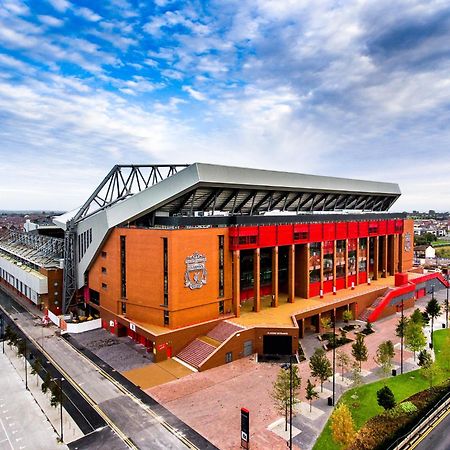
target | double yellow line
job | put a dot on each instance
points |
(142, 405)
(430, 429)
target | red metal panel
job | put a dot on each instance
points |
(327, 286)
(350, 279)
(363, 229)
(314, 289)
(399, 226)
(266, 290)
(315, 232)
(284, 235)
(246, 294)
(382, 227)
(268, 236)
(234, 231)
(340, 283)
(353, 229)
(329, 231)
(362, 277)
(328, 247)
(341, 230)
(248, 231)
(401, 279)
(301, 233)
(390, 227)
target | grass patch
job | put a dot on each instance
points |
(365, 406)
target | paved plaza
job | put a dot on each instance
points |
(210, 401)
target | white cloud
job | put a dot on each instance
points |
(87, 14)
(194, 94)
(16, 7)
(60, 5)
(51, 21)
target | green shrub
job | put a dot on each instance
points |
(408, 407)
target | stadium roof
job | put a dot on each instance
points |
(132, 192)
(234, 190)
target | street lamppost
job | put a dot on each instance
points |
(291, 386)
(334, 355)
(446, 300)
(61, 430)
(61, 406)
(26, 371)
(3, 332)
(401, 339)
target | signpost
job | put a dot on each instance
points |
(245, 428)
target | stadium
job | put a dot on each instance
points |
(207, 264)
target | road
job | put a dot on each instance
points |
(138, 424)
(437, 437)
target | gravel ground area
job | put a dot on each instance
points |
(121, 353)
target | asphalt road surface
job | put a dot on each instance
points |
(142, 426)
(436, 438)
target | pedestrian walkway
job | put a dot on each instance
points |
(23, 425)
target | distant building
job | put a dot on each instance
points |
(424, 251)
(32, 265)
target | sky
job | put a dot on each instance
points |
(357, 89)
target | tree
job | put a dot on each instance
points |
(385, 353)
(433, 310)
(347, 316)
(320, 366)
(281, 390)
(431, 372)
(425, 359)
(36, 367)
(326, 323)
(11, 337)
(55, 398)
(417, 317)
(311, 393)
(385, 398)
(359, 349)
(401, 325)
(343, 362)
(355, 375)
(414, 337)
(342, 425)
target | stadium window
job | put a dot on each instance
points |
(103, 269)
(103, 254)
(123, 268)
(166, 318)
(166, 273)
(104, 286)
(228, 357)
(221, 266)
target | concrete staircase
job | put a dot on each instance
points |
(200, 348)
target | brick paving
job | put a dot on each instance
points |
(210, 401)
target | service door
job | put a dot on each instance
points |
(248, 348)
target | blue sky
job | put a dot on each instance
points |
(355, 89)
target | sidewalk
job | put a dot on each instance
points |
(23, 425)
(131, 417)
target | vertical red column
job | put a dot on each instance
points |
(257, 280)
(291, 274)
(236, 283)
(275, 276)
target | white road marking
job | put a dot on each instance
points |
(7, 437)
